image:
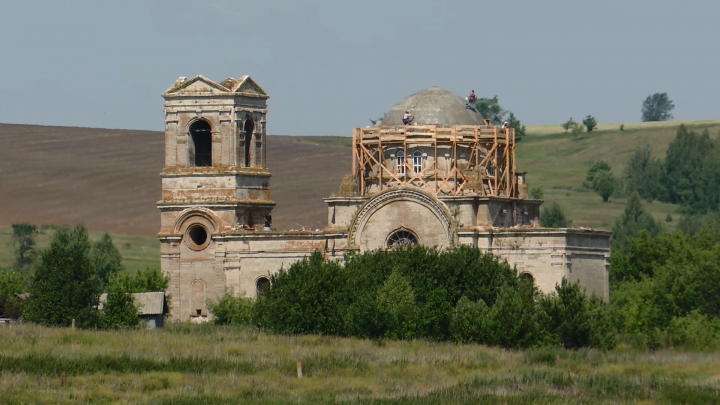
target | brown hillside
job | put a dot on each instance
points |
(108, 178)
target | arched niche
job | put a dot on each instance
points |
(201, 137)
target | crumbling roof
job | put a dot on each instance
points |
(245, 86)
(434, 105)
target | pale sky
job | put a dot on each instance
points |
(329, 66)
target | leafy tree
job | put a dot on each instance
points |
(491, 110)
(232, 309)
(65, 285)
(24, 240)
(537, 193)
(515, 124)
(396, 302)
(657, 107)
(554, 217)
(577, 129)
(634, 219)
(12, 281)
(469, 322)
(597, 167)
(106, 259)
(149, 279)
(604, 184)
(510, 322)
(643, 174)
(569, 124)
(590, 123)
(692, 171)
(120, 310)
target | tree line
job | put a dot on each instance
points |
(63, 283)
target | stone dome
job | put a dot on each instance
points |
(434, 105)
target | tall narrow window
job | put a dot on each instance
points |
(248, 129)
(201, 136)
(262, 285)
(400, 159)
(491, 170)
(417, 161)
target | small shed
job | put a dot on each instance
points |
(151, 307)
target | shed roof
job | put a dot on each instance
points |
(149, 303)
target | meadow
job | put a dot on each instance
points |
(137, 251)
(208, 364)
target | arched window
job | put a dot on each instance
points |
(262, 285)
(526, 277)
(201, 136)
(417, 161)
(198, 298)
(400, 160)
(401, 238)
(248, 129)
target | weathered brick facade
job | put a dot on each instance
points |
(216, 230)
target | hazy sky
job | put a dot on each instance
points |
(329, 66)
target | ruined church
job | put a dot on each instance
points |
(447, 179)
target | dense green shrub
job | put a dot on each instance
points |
(554, 217)
(461, 294)
(232, 309)
(120, 310)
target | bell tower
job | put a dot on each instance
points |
(215, 182)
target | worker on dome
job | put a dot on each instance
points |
(407, 118)
(471, 97)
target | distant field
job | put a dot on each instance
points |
(549, 129)
(189, 364)
(137, 251)
(559, 162)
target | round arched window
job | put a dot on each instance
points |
(400, 238)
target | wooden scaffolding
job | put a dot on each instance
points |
(488, 169)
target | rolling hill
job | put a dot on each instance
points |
(103, 176)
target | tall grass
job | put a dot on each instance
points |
(187, 364)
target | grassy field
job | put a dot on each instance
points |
(137, 251)
(558, 162)
(186, 364)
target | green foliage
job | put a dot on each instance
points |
(232, 309)
(622, 127)
(597, 167)
(120, 310)
(570, 124)
(24, 241)
(462, 295)
(149, 279)
(537, 193)
(519, 128)
(377, 120)
(692, 171)
(106, 259)
(604, 184)
(695, 331)
(396, 304)
(65, 285)
(657, 107)
(469, 322)
(590, 123)
(577, 129)
(577, 320)
(634, 219)
(668, 218)
(554, 217)
(643, 174)
(490, 109)
(12, 281)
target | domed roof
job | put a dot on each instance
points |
(434, 105)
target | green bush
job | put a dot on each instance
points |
(120, 310)
(232, 309)
(469, 322)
